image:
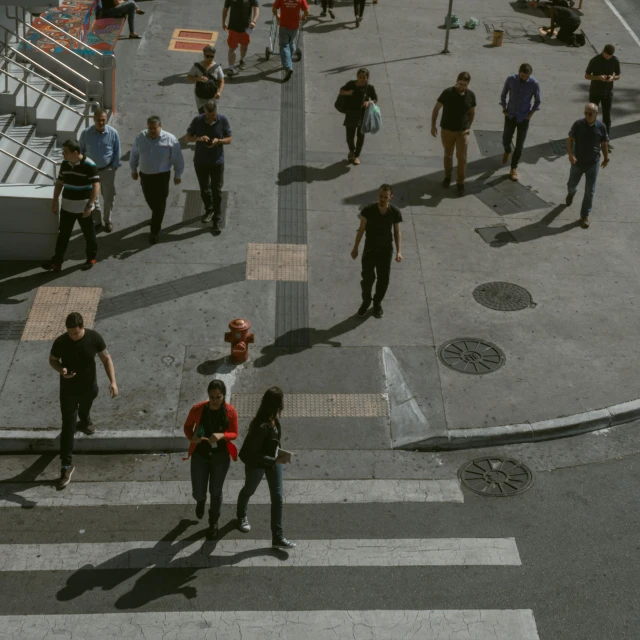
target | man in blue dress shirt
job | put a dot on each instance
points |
(154, 152)
(588, 136)
(522, 88)
(101, 143)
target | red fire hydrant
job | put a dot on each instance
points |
(240, 339)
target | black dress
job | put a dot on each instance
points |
(355, 110)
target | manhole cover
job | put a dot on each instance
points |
(503, 296)
(495, 477)
(470, 355)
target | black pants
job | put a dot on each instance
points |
(67, 222)
(155, 188)
(74, 404)
(327, 4)
(567, 29)
(358, 8)
(355, 146)
(211, 179)
(606, 101)
(376, 267)
(511, 125)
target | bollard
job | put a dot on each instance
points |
(240, 339)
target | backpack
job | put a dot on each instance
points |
(579, 39)
(207, 90)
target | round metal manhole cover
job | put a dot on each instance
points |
(496, 477)
(503, 296)
(470, 355)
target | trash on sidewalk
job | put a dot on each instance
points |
(498, 37)
(471, 23)
(452, 21)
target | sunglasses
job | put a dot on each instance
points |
(588, 113)
(209, 57)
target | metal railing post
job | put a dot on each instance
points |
(6, 48)
(25, 76)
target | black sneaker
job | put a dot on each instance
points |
(212, 533)
(98, 226)
(243, 525)
(460, 188)
(446, 182)
(323, 14)
(364, 307)
(288, 74)
(333, 15)
(200, 508)
(88, 265)
(87, 428)
(569, 199)
(207, 216)
(50, 266)
(242, 65)
(153, 238)
(217, 229)
(585, 223)
(378, 311)
(65, 476)
(283, 543)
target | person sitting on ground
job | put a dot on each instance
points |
(120, 9)
(208, 77)
(567, 19)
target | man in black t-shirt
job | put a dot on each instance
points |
(567, 19)
(73, 357)
(603, 70)
(377, 221)
(243, 17)
(458, 106)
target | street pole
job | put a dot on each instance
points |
(446, 40)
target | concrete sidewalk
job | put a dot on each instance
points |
(164, 309)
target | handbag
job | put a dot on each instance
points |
(341, 103)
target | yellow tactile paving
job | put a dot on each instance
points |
(318, 405)
(276, 261)
(52, 305)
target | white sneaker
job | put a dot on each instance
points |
(243, 525)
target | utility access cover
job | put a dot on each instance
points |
(470, 355)
(506, 197)
(495, 477)
(503, 296)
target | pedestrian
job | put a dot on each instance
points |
(208, 78)
(243, 17)
(522, 89)
(360, 93)
(358, 10)
(211, 132)
(588, 136)
(261, 455)
(155, 151)
(79, 183)
(210, 427)
(289, 20)
(603, 70)
(458, 104)
(73, 357)
(327, 5)
(567, 19)
(120, 9)
(377, 221)
(102, 144)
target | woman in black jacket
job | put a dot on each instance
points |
(360, 93)
(259, 452)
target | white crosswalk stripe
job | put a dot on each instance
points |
(89, 494)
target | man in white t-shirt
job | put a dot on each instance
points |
(208, 77)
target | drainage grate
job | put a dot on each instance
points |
(496, 236)
(503, 296)
(495, 477)
(11, 330)
(194, 208)
(506, 197)
(489, 142)
(559, 147)
(470, 355)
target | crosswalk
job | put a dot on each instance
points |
(69, 568)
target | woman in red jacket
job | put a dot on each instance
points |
(210, 427)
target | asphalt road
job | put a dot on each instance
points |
(630, 11)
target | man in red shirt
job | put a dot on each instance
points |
(289, 21)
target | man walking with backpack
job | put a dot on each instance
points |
(208, 77)
(243, 17)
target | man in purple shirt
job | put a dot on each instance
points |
(522, 88)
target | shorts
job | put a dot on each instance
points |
(236, 38)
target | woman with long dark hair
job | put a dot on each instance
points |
(210, 427)
(260, 454)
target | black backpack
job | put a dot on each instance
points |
(207, 90)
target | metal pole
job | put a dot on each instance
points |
(446, 40)
(6, 62)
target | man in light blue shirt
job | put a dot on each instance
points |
(153, 154)
(101, 143)
(522, 89)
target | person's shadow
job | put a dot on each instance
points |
(302, 173)
(535, 230)
(176, 78)
(8, 492)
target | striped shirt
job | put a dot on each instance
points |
(78, 180)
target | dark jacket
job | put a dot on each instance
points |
(355, 110)
(259, 447)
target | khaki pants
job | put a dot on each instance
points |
(458, 140)
(108, 189)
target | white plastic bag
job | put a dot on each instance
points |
(372, 121)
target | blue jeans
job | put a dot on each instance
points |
(511, 125)
(127, 8)
(212, 473)
(253, 477)
(591, 175)
(287, 46)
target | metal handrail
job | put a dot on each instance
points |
(6, 153)
(24, 146)
(46, 95)
(84, 44)
(81, 98)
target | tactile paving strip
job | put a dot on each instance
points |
(52, 305)
(319, 405)
(276, 261)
